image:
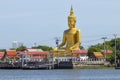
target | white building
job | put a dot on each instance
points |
(16, 44)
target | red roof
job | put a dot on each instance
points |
(37, 52)
(12, 54)
(2, 55)
(34, 52)
(107, 51)
(80, 51)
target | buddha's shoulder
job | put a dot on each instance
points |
(66, 31)
(78, 30)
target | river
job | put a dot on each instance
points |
(64, 74)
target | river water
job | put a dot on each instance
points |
(64, 74)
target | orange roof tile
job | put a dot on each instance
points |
(2, 55)
(33, 53)
(44, 53)
(107, 51)
(80, 51)
(98, 54)
(12, 54)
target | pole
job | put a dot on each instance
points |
(57, 43)
(115, 49)
(104, 47)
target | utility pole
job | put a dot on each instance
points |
(104, 38)
(35, 44)
(57, 43)
(115, 49)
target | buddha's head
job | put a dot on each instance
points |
(71, 19)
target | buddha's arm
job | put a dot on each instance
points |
(78, 40)
(63, 41)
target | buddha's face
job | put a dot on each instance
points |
(71, 23)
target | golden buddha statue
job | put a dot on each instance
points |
(71, 37)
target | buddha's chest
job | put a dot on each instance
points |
(71, 34)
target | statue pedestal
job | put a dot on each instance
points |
(63, 53)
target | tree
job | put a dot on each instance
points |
(110, 45)
(21, 48)
(44, 48)
(2, 50)
(81, 47)
(93, 49)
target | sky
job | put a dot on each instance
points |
(39, 22)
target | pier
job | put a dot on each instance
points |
(61, 64)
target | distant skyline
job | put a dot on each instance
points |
(38, 22)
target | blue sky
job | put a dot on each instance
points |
(40, 21)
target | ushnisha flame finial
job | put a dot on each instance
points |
(72, 14)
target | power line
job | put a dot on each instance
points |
(91, 36)
(91, 40)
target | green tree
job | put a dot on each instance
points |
(12, 49)
(110, 45)
(93, 49)
(21, 48)
(44, 48)
(2, 50)
(81, 47)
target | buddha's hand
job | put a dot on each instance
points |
(71, 48)
(55, 49)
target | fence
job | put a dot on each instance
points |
(90, 61)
